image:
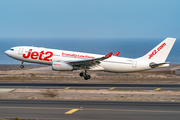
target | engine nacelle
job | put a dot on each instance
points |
(61, 66)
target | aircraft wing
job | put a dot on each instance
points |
(87, 63)
(158, 65)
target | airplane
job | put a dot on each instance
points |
(62, 60)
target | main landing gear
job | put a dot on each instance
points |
(21, 66)
(85, 75)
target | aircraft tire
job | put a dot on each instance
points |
(21, 66)
(81, 74)
(87, 77)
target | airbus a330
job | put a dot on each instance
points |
(62, 60)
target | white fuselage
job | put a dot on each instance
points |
(48, 56)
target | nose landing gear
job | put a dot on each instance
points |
(22, 66)
(85, 75)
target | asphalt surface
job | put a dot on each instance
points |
(170, 87)
(88, 110)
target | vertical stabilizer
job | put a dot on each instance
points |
(160, 53)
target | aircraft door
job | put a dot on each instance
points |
(20, 52)
(134, 64)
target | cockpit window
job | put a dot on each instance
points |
(12, 49)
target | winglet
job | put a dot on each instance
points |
(109, 54)
(116, 54)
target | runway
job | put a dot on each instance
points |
(171, 87)
(88, 110)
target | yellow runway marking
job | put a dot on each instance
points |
(112, 88)
(157, 89)
(67, 88)
(71, 111)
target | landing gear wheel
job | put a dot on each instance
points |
(87, 77)
(21, 66)
(81, 74)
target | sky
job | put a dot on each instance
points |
(89, 19)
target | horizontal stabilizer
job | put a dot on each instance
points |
(158, 65)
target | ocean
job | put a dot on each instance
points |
(131, 48)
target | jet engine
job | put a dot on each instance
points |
(61, 66)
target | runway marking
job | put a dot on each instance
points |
(112, 88)
(67, 88)
(71, 111)
(157, 89)
(120, 110)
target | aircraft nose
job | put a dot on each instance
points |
(6, 52)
